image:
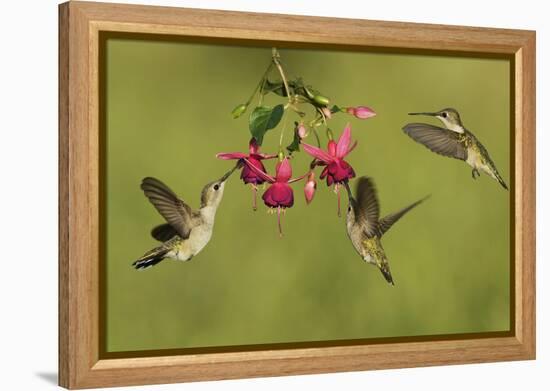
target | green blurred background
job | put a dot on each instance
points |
(168, 114)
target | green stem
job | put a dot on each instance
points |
(317, 137)
(261, 99)
(277, 62)
(322, 116)
(282, 131)
(260, 85)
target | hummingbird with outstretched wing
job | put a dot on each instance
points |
(454, 141)
(187, 231)
(365, 227)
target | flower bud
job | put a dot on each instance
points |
(321, 100)
(326, 112)
(361, 112)
(310, 187)
(302, 131)
(239, 110)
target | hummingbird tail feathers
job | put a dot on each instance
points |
(385, 269)
(150, 258)
(497, 176)
(490, 168)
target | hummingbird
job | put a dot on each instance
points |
(365, 227)
(454, 141)
(188, 231)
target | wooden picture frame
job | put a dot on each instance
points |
(81, 363)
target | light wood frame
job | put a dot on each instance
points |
(80, 23)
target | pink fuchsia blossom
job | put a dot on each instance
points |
(310, 187)
(337, 170)
(279, 195)
(254, 158)
(361, 112)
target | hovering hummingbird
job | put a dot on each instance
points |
(365, 228)
(187, 231)
(454, 141)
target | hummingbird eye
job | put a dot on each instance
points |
(444, 114)
(216, 187)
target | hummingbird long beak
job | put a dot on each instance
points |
(432, 114)
(350, 195)
(228, 173)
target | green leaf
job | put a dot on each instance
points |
(277, 88)
(295, 145)
(264, 118)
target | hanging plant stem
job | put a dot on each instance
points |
(260, 85)
(277, 62)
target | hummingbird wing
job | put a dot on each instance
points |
(439, 140)
(163, 232)
(176, 212)
(385, 223)
(368, 209)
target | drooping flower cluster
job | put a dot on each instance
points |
(279, 195)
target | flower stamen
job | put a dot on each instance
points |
(254, 197)
(279, 221)
(338, 194)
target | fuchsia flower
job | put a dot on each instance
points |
(361, 112)
(337, 170)
(310, 187)
(279, 195)
(254, 158)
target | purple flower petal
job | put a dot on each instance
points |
(257, 170)
(279, 194)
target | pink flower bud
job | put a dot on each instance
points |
(361, 112)
(302, 131)
(310, 187)
(327, 113)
